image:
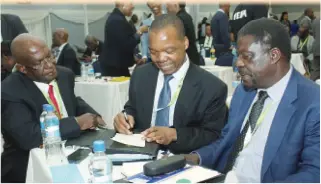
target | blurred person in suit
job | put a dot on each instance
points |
(156, 9)
(180, 11)
(11, 26)
(306, 20)
(173, 101)
(66, 55)
(221, 36)
(7, 62)
(273, 128)
(38, 81)
(120, 42)
(93, 46)
(315, 73)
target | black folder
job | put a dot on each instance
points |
(88, 137)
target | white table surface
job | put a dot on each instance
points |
(38, 171)
(225, 73)
(107, 98)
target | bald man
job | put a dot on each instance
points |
(38, 81)
(66, 55)
(93, 45)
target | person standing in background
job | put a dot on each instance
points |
(156, 9)
(315, 73)
(66, 55)
(306, 21)
(245, 13)
(284, 19)
(11, 26)
(221, 36)
(120, 42)
(179, 10)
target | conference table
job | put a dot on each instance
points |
(106, 97)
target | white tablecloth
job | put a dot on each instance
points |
(39, 172)
(297, 61)
(224, 73)
(209, 61)
(107, 98)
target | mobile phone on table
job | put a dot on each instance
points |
(78, 156)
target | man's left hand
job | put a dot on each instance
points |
(161, 135)
(100, 122)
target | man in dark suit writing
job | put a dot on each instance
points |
(23, 93)
(175, 103)
(66, 55)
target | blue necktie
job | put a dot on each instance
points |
(162, 117)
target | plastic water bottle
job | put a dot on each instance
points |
(42, 122)
(100, 166)
(90, 72)
(53, 146)
(212, 51)
(83, 71)
(236, 75)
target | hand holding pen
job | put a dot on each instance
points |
(124, 123)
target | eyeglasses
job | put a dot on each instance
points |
(48, 60)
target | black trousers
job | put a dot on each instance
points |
(111, 71)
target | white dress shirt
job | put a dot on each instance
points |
(208, 42)
(174, 83)
(248, 164)
(60, 50)
(44, 88)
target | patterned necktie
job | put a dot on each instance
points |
(53, 100)
(252, 120)
(162, 117)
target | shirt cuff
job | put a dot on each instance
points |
(199, 156)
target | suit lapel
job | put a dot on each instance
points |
(150, 94)
(186, 95)
(63, 88)
(36, 95)
(282, 118)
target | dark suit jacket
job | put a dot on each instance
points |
(200, 111)
(68, 58)
(11, 26)
(292, 150)
(21, 102)
(220, 33)
(120, 42)
(190, 34)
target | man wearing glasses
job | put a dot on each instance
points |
(38, 81)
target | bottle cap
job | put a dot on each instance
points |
(49, 108)
(45, 107)
(99, 146)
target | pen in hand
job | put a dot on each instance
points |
(126, 118)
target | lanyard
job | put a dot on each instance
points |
(302, 44)
(175, 96)
(58, 98)
(260, 120)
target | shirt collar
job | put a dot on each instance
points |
(181, 72)
(221, 10)
(276, 91)
(308, 17)
(43, 86)
(62, 46)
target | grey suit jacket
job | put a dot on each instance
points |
(316, 35)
